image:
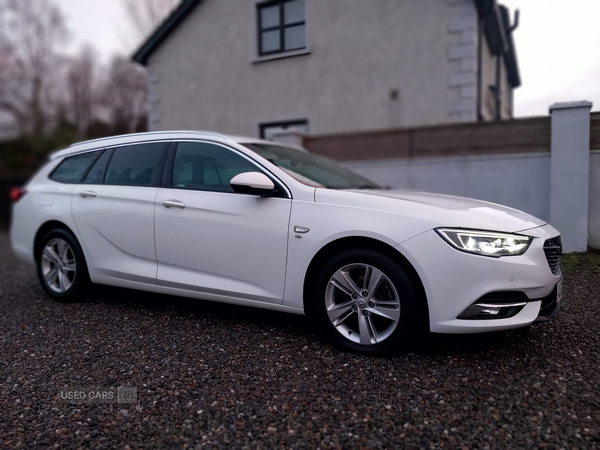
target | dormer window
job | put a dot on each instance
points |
(281, 26)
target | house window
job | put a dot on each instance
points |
(268, 130)
(281, 26)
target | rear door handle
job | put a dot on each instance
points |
(173, 204)
(85, 194)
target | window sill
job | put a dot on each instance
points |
(282, 55)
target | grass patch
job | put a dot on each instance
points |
(586, 262)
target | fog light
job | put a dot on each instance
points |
(492, 311)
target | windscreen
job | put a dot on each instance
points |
(310, 169)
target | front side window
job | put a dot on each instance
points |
(281, 26)
(134, 165)
(73, 168)
(311, 169)
(207, 167)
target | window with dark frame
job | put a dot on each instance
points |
(281, 26)
(207, 167)
(133, 165)
(268, 130)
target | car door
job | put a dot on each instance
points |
(212, 240)
(113, 208)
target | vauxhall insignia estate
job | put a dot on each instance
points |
(263, 224)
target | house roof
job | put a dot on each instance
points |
(164, 30)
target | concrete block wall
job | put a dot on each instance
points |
(520, 181)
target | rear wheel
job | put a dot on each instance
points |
(61, 266)
(365, 302)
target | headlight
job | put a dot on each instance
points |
(486, 243)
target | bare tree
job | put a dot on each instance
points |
(82, 89)
(146, 15)
(125, 94)
(12, 93)
(30, 33)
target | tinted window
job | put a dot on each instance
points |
(133, 165)
(207, 167)
(72, 169)
(96, 173)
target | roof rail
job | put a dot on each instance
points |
(210, 133)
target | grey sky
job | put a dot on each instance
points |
(102, 24)
(558, 46)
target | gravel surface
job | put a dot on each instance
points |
(214, 376)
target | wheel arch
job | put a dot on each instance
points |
(45, 229)
(334, 247)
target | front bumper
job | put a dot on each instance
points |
(454, 280)
(550, 306)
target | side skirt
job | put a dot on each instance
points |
(200, 295)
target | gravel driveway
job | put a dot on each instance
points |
(213, 376)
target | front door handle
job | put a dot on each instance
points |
(85, 194)
(173, 204)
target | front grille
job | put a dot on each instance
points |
(553, 250)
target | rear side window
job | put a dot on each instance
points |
(134, 165)
(207, 167)
(73, 168)
(96, 173)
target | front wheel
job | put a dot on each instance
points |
(366, 302)
(61, 266)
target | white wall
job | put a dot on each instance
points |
(594, 199)
(207, 75)
(521, 181)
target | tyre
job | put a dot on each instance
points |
(365, 302)
(61, 266)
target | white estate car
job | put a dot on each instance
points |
(258, 223)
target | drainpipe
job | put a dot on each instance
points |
(516, 24)
(499, 70)
(482, 18)
(510, 31)
(499, 86)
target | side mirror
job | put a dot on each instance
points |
(253, 183)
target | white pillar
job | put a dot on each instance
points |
(569, 178)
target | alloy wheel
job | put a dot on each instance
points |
(58, 265)
(362, 304)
